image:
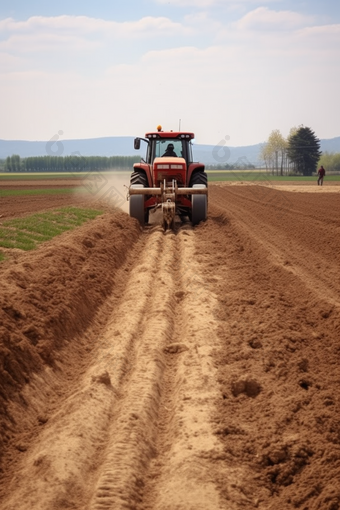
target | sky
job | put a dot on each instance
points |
(230, 70)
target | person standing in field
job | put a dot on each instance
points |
(321, 173)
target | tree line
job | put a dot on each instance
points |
(298, 154)
(231, 166)
(73, 163)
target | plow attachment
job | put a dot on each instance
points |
(168, 197)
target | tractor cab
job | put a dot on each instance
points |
(167, 143)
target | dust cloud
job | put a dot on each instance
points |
(110, 188)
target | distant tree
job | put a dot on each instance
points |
(273, 152)
(331, 161)
(8, 166)
(15, 163)
(74, 163)
(304, 150)
(293, 131)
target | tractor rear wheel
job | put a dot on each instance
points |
(136, 205)
(139, 179)
(199, 206)
(198, 178)
(199, 203)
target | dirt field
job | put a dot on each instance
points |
(192, 370)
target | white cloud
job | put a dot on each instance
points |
(270, 36)
(82, 26)
(44, 42)
(322, 36)
(80, 42)
(263, 18)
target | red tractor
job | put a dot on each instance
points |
(169, 179)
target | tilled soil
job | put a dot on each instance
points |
(13, 207)
(196, 369)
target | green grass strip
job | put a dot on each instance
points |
(27, 233)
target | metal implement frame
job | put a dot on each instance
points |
(162, 189)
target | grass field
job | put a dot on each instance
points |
(27, 233)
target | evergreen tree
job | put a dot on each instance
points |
(304, 150)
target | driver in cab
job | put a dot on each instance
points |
(170, 151)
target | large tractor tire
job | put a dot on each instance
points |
(136, 205)
(199, 206)
(198, 178)
(138, 179)
(199, 203)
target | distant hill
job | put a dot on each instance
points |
(109, 146)
(215, 155)
(123, 146)
(330, 144)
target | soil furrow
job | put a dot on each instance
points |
(184, 473)
(133, 428)
(290, 242)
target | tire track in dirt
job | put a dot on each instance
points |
(170, 382)
(132, 431)
(183, 474)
